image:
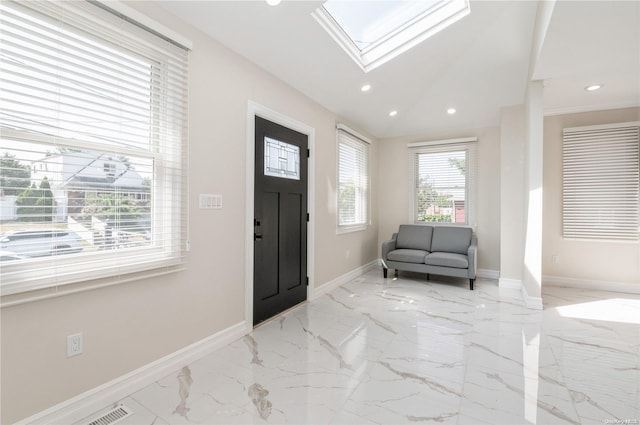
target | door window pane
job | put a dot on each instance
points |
(281, 159)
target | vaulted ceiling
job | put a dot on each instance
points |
(477, 66)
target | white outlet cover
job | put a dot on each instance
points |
(74, 344)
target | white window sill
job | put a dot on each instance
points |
(350, 229)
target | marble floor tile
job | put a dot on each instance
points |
(407, 350)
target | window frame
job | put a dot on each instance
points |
(467, 144)
(412, 32)
(350, 137)
(168, 159)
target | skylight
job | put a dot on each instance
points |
(374, 32)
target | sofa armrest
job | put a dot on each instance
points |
(388, 246)
(472, 256)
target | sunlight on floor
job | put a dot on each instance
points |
(620, 310)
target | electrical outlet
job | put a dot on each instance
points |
(74, 344)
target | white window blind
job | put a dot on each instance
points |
(600, 182)
(353, 181)
(442, 176)
(93, 145)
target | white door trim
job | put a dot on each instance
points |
(255, 109)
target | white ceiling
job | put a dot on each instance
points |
(591, 42)
(478, 65)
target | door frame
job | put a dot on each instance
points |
(255, 109)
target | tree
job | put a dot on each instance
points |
(347, 203)
(120, 209)
(460, 164)
(14, 176)
(426, 195)
(430, 202)
(62, 151)
(126, 161)
(36, 204)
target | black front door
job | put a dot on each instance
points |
(280, 220)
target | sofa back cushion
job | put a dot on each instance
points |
(451, 239)
(414, 236)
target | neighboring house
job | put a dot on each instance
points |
(459, 207)
(8, 207)
(76, 175)
(453, 206)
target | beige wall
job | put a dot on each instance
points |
(594, 261)
(395, 188)
(133, 324)
(130, 325)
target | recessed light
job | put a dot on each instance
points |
(273, 2)
(451, 111)
(593, 87)
(366, 87)
(393, 113)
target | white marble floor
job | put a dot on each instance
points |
(391, 351)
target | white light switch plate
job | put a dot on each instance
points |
(210, 202)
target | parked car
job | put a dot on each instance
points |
(10, 256)
(41, 242)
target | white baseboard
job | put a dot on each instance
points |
(599, 285)
(89, 402)
(488, 274)
(341, 280)
(534, 303)
(506, 283)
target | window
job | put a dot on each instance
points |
(600, 186)
(281, 159)
(373, 33)
(110, 169)
(442, 181)
(353, 180)
(93, 141)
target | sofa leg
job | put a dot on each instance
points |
(384, 272)
(396, 273)
(428, 276)
(471, 284)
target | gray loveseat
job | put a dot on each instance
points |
(438, 249)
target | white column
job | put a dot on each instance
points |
(532, 272)
(512, 142)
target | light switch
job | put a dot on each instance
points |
(210, 202)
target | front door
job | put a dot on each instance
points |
(280, 219)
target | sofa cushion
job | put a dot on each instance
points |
(414, 237)
(451, 239)
(447, 259)
(407, 255)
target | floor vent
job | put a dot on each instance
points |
(113, 416)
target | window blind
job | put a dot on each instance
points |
(353, 180)
(93, 113)
(600, 182)
(442, 179)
